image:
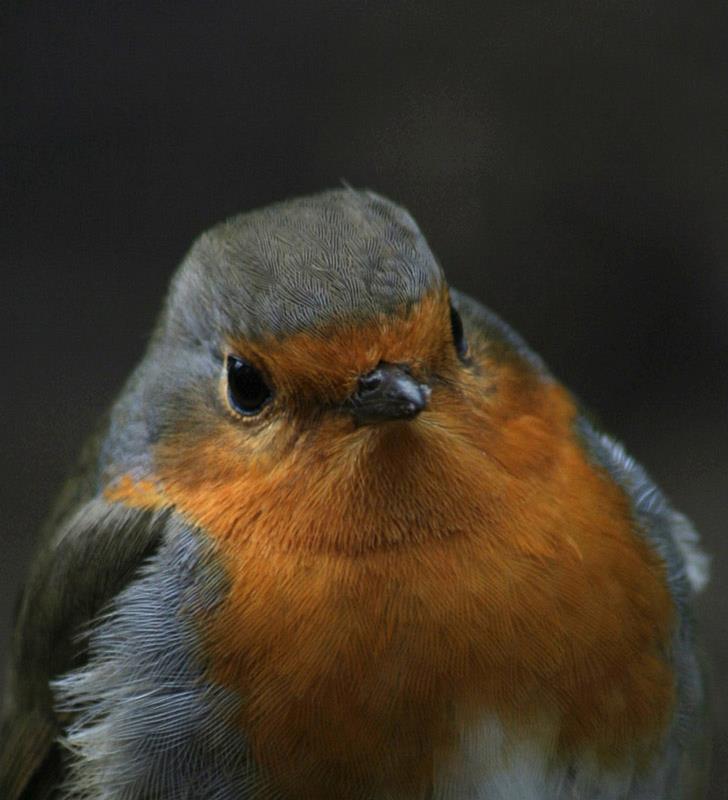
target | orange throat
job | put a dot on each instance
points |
(392, 586)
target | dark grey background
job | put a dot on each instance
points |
(567, 160)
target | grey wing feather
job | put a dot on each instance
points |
(89, 550)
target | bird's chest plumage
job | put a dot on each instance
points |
(372, 668)
(376, 617)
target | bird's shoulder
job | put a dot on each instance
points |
(87, 551)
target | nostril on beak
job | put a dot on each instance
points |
(370, 382)
(388, 392)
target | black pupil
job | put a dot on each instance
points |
(458, 335)
(247, 389)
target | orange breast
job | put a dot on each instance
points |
(392, 585)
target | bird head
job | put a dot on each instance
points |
(398, 498)
(312, 355)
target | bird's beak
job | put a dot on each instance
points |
(388, 392)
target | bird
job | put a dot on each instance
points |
(344, 535)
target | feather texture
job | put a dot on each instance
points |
(490, 601)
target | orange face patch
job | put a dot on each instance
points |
(323, 366)
(393, 584)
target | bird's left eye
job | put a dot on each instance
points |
(458, 334)
(248, 392)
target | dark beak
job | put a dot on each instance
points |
(388, 392)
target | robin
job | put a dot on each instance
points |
(344, 536)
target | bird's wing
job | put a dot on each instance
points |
(86, 557)
(672, 536)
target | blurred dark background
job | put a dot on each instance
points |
(568, 162)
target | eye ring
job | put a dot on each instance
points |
(458, 332)
(248, 393)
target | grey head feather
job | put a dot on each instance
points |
(342, 255)
(299, 265)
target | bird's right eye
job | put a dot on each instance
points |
(248, 393)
